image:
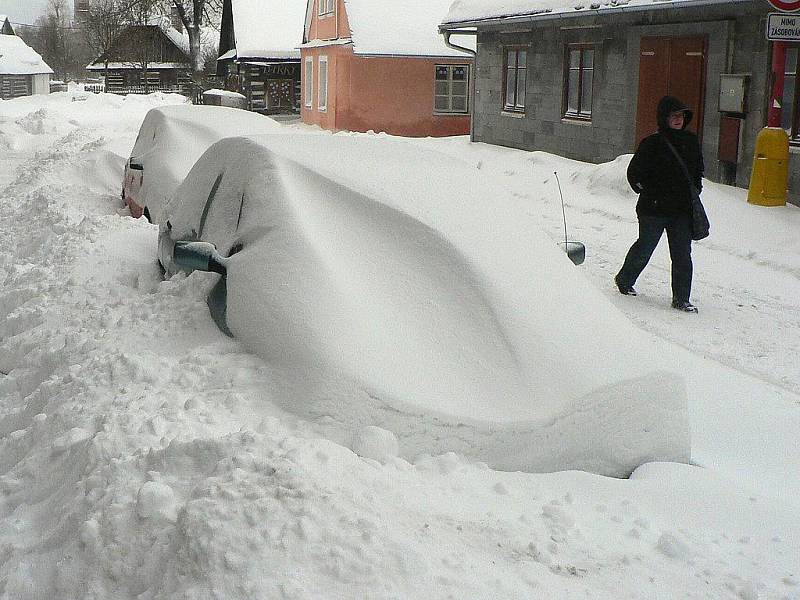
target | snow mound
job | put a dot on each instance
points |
(102, 170)
(36, 123)
(144, 455)
(375, 443)
(388, 300)
(610, 177)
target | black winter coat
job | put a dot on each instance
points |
(654, 172)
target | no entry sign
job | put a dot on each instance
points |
(786, 5)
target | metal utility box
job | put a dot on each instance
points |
(732, 92)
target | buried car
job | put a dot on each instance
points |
(170, 140)
(387, 285)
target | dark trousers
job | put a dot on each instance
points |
(679, 236)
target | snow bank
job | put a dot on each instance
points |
(144, 456)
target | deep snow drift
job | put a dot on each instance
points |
(406, 295)
(145, 455)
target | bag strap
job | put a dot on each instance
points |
(679, 159)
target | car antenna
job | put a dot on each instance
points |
(576, 251)
(563, 212)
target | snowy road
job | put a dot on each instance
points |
(145, 456)
(747, 274)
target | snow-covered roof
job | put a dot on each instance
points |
(407, 28)
(17, 58)
(467, 11)
(99, 65)
(268, 28)
(208, 37)
(181, 40)
(225, 93)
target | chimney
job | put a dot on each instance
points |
(176, 20)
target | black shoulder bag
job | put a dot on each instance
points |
(700, 224)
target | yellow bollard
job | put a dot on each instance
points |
(769, 180)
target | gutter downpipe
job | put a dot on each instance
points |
(473, 76)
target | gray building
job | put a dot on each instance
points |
(583, 80)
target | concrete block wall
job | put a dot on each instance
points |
(735, 44)
(542, 127)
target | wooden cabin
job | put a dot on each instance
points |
(147, 58)
(259, 55)
(22, 70)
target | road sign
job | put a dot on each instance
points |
(782, 27)
(786, 5)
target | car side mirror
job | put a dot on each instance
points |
(136, 166)
(199, 256)
(576, 251)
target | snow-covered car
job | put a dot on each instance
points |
(428, 296)
(170, 140)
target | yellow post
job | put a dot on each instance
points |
(769, 180)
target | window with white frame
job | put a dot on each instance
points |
(326, 7)
(309, 88)
(451, 93)
(322, 101)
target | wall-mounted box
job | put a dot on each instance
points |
(730, 143)
(733, 92)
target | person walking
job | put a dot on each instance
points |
(665, 200)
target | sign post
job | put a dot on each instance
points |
(770, 174)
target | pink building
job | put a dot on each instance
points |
(383, 66)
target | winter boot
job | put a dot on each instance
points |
(625, 290)
(684, 306)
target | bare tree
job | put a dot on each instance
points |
(107, 18)
(102, 25)
(52, 40)
(140, 15)
(194, 14)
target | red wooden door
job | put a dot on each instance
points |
(674, 66)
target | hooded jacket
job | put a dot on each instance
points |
(654, 172)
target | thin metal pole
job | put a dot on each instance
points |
(778, 76)
(563, 212)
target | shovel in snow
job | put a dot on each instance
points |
(576, 251)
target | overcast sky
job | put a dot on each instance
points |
(24, 11)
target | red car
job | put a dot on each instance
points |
(131, 188)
